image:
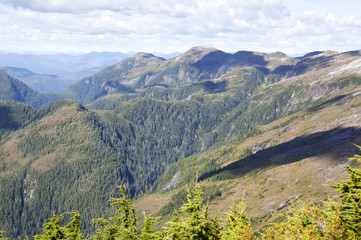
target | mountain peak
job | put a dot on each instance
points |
(194, 54)
(134, 61)
(277, 54)
(199, 50)
(143, 55)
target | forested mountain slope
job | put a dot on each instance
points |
(245, 119)
(66, 159)
(12, 89)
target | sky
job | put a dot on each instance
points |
(166, 26)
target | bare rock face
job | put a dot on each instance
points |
(257, 148)
(285, 203)
(173, 182)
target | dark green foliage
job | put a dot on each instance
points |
(147, 232)
(12, 89)
(238, 224)
(2, 238)
(111, 102)
(180, 198)
(346, 81)
(123, 226)
(53, 107)
(351, 198)
(90, 93)
(98, 163)
(54, 228)
(14, 116)
(194, 223)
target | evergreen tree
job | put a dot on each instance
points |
(351, 198)
(310, 222)
(147, 231)
(54, 228)
(196, 223)
(1, 237)
(238, 225)
(123, 227)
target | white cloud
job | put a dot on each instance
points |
(169, 25)
(67, 5)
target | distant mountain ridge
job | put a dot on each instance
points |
(55, 72)
(12, 89)
(21, 72)
(146, 70)
(38, 82)
(43, 63)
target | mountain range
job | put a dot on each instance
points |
(55, 72)
(269, 125)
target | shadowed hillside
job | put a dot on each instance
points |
(302, 147)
